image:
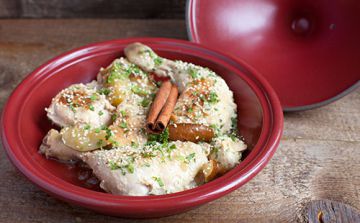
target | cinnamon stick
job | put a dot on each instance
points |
(166, 111)
(159, 102)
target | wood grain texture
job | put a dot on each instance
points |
(140, 9)
(318, 157)
(10, 9)
(326, 211)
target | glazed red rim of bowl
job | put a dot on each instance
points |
(15, 146)
(307, 50)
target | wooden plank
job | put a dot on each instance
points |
(25, 44)
(340, 122)
(10, 8)
(326, 211)
(140, 9)
(318, 157)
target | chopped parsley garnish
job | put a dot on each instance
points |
(234, 130)
(148, 154)
(97, 130)
(181, 158)
(171, 148)
(158, 83)
(159, 181)
(104, 91)
(134, 144)
(164, 136)
(99, 143)
(129, 167)
(91, 107)
(87, 127)
(135, 69)
(123, 113)
(233, 137)
(138, 90)
(216, 129)
(150, 53)
(123, 125)
(216, 151)
(93, 97)
(113, 165)
(213, 97)
(202, 97)
(112, 77)
(101, 113)
(233, 122)
(193, 73)
(158, 61)
(190, 110)
(118, 72)
(190, 157)
(159, 147)
(161, 138)
(109, 133)
(159, 144)
(114, 117)
(72, 107)
(145, 102)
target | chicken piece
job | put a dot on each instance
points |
(132, 91)
(84, 138)
(128, 88)
(80, 104)
(133, 170)
(206, 100)
(201, 89)
(144, 57)
(53, 147)
(227, 152)
(122, 78)
(154, 170)
(128, 128)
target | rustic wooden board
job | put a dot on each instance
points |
(172, 9)
(9, 8)
(318, 157)
(326, 211)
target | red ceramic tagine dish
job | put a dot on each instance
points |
(24, 124)
(309, 51)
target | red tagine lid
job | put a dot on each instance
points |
(308, 50)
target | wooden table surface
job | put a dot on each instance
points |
(318, 158)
